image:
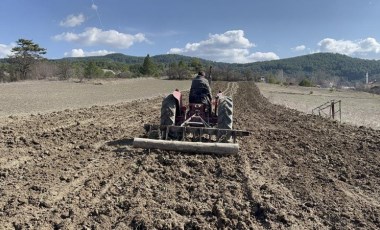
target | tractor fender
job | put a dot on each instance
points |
(178, 96)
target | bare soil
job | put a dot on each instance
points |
(76, 169)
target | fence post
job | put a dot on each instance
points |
(340, 111)
(333, 110)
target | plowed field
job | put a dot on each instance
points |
(76, 169)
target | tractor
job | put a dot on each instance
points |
(193, 128)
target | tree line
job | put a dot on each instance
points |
(27, 62)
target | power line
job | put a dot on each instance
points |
(96, 10)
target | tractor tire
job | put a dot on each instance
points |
(225, 112)
(168, 110)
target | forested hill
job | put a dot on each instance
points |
(115, 57)
(319, 64)
(326, 64)
(317, 67)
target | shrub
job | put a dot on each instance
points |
(305, 83)
(109, 74)
(273, 80)
(127, 74)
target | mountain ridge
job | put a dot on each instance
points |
(332, 64)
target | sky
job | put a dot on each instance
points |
(233, 31)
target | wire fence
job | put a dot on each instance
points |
(331, 109)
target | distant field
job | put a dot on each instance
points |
(358, 108)
(30, 97)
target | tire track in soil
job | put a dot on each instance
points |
(251, 179)
(14, 163)
(62, 191)
(258, 203)
(231, 89)
(292, 152)
(112, 176)
(74, 186)
(81, 214)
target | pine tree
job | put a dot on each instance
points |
(148, 67)
(25, 54)
(92, 70)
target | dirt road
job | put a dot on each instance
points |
(76, 169)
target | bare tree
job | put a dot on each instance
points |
(43, 70)
(65, 70)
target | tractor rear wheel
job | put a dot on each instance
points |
(168, 110)
(225, 112)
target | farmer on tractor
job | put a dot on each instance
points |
(200, 91)
(181, 125)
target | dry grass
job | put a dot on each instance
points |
(358, 108)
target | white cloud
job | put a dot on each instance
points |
(230, 46)
(72, 20)
(299, 48)
(259, 56)
(348, 47)
(94, 7)
(5, 50)
(82, 53)
(94, 36)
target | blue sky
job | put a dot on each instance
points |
(234, 31)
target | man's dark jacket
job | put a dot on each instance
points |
(200, 91)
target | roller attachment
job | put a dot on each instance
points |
(186, 146)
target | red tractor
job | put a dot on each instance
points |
(197, 128)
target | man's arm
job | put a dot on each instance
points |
(209, 91)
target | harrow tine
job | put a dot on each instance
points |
(192, 133)
(167, 132)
